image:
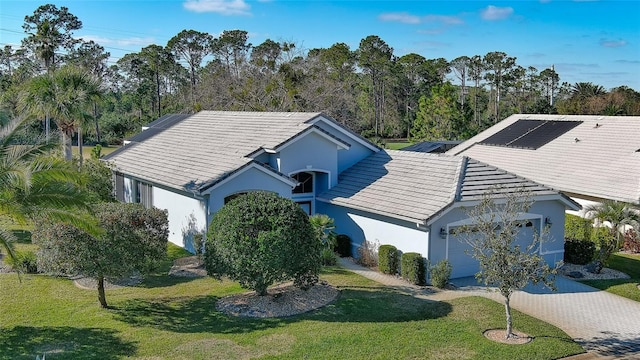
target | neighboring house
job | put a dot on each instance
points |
(408, 199)
(587, 157)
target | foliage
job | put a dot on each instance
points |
(439, 116)
(628, 264)
(99, 182)
(23, 261)
(96, 152)
(578, 228)
(413, 268)
(368, 254)
(323, 227)
(134, 240)
(259, 239)
(329, 257)
(493, 241)
(618, 214)
(631, 241)
(440, 273)
(579, 251)
(343, 245)
(388, 259)
(32, 183)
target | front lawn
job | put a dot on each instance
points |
(628, 264)
(175, 318)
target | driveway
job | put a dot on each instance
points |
(603, 323)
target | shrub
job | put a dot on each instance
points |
(413, 268)
(259, 239)
(440, 273)
(388, 259)
(329, 257)
(368, 254)
(605, 239)
(579, 252)
(343, 245)
(24, 261)
(631, 241)
(578, 228)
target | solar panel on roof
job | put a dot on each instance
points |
(530, 134)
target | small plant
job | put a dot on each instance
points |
(579, 251)
(24, 261)
(388, 259)
(329, 257)
(96, 152)
(368, 254)
(440, 273)
(413, 268)
(343, 245)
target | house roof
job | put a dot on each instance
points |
(207, 147)
(590, 156)
(432, 146)
(418, 186)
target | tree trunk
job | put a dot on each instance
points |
(80, 148)
(101, 297)
(507, 308)
(66, 146)
(95, 118)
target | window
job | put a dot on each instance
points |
(144, 195)
(305, 183)
(233, 196)
(119, 187)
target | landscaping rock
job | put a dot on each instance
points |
(594, 267)
(575, 274)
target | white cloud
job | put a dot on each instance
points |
(402, 17)
(224, 7)
(492, 13)
(449, 20)
(612, 43)
(132, 41)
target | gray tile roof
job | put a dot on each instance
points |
(206, 147)
(417, 186)
(432, 146)
(599, 158)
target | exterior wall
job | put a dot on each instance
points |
(312, 152)
(181, 208)
(250, 180)
(453, 248)
(346, 158)
(380, 230)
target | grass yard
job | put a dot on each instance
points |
(175, 318)
(397, 145)
(628, 264)
(86, 150)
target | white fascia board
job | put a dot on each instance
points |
(251, 165)
(345, 132)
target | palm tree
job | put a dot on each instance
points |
(66, 96)
(32, 183)
(617, 213)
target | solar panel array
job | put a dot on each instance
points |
(529, 134)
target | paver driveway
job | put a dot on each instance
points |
(603, 323)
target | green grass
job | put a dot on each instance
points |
(628, 264)
(175, 318)
(397, 145)
(86, 150)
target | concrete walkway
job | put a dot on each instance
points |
(604, 324)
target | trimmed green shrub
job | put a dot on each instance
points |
(440, 273)
(579, 252)
(577, 228)
(329, 257)
(388, 259)
(413, 268)
(343, 245)
(25, 261)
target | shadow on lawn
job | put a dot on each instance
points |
(25, 342)
(191, 315)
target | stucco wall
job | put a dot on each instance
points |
(346, 158)
(180, 208)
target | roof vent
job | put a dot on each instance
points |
(576, 140)
(597, 126)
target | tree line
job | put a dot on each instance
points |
(370, 90)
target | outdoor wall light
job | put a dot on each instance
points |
(547, 221)
(443, 233)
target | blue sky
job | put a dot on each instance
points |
(594, 41)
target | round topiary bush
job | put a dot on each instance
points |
(413, 268)
(259, 239)
(388, 259)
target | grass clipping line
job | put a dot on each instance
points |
(281, 301)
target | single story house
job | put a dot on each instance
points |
(590, 158)
(408, 199)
